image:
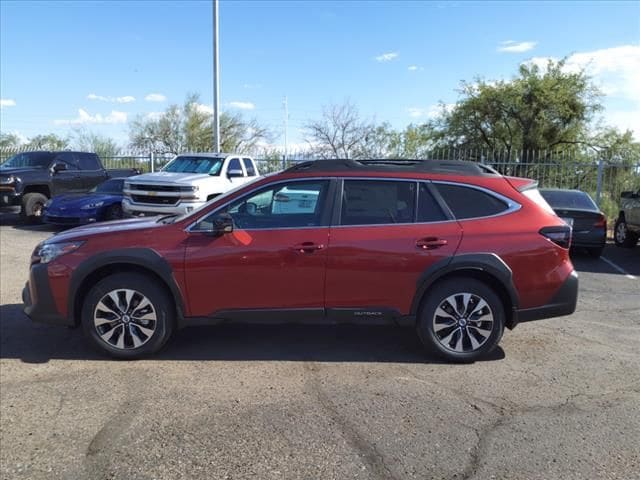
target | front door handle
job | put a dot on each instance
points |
(308, 247)
(431, 243)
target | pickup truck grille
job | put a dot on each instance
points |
(152, 200)
(157, 188)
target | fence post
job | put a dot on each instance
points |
(599, 184)
(152, 162)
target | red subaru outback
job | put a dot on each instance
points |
(451, 248)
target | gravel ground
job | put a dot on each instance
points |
(559, 400)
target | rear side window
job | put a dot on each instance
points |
(428, 208)
(88, 161)
(375, 202)
(467, 202)
(248, 165)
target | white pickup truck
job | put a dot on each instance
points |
(186, 183)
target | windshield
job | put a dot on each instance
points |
(110, 186)
(185, 164)
(569, 199)
(29, 160)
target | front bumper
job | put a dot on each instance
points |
(181, 208)
(55, 218)
(9, 199)
(38, 299)
(563, 303)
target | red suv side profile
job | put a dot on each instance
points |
(452, 248)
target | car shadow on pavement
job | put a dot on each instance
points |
(22, 339)
(626, 258)
(18, 223)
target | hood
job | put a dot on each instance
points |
(118, 226)
(19, 170)
(171, 178)
(79, 199)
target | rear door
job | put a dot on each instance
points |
(91, 170)
(387, 234)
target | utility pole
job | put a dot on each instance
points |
(216, 81)
(286, 128)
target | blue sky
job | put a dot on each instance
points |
(97, 65)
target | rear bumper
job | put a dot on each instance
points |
(38, 299)
(563, 303)
(589, 239)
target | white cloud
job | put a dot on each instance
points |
(7, 102)
(84, 118)
(431, 111)
(511, 46)
(154, 115)
(204, 108)
(387, 57)
(155, 97)
(624, 120)
(616, 70)
(242, 105)
(413, 68)
(101, 98)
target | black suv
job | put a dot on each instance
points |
(29, 179)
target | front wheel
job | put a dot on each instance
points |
(461, 320)
(114, 212)
(622, 236)
(128, 315)
(33, 206)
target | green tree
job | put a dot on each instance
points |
(88, 141)
(9, 141)
(539, 109)
(189, 127)
(49, 141)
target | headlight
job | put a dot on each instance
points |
(7, 180)
(50, 251)
(91, 206)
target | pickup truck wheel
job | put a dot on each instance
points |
(622, 236)
(114, 212)
(461, 320)
(128, 315)
(32, 206)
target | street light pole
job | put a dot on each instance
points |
(216, 81)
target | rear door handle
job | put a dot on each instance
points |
(308, 247)
(431, 243)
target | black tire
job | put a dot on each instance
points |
(32, 206)
(133, 329)
(622, 236)
(457, 326)
(114, 212)
(595, 252)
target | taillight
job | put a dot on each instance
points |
(601, 222)
(560, 235)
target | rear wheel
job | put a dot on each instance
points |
(33, 206)
(114, 212)
(128, 315)
(622, 236)
(461, 320)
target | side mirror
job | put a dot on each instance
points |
(222, 224)
(235, 173)
(58, 167)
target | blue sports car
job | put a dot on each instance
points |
(104, 202)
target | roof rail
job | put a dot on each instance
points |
(393, 165)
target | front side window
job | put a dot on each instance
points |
(68, 159)
(285, 205)
(467, 202)
(376, 202)
(187, 164)
(234, 164)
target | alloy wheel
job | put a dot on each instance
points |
(621, 232)
(463, 322)
(125, 319)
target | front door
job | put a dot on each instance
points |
(69, 179)
(388, 234)
(272, 264)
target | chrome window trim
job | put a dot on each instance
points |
(289, 180)
(512, 205)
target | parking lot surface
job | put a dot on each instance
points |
(559, 400)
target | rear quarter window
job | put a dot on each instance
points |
(467, 202)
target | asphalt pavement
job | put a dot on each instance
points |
(559, 400)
